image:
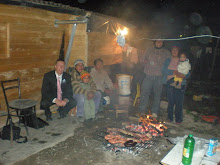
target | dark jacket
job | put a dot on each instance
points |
(49, 87)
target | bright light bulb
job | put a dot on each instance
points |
(124, 31)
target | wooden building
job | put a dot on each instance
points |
(30, 42)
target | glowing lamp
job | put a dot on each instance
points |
(123, 32)
(121, 36)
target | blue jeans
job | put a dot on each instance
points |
(81, 99)
(175, 98)
(149, 83)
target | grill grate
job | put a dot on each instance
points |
(136, 150)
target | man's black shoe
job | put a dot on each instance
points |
(48, 115)
(61, 112)
(62, 116)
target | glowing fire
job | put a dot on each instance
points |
(123, 32)
(150, 124)
(147, 127)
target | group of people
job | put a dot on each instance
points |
(164, 68)
(86, 90)
(79, 92)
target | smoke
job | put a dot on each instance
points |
(150, 19)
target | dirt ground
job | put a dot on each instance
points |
(210, 103)
(88, 146)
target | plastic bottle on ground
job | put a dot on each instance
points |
(188, 150)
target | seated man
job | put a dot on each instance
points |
(80, 93)
(103, 82)
(57, 89)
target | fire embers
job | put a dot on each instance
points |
(140, 133)
(151, 125)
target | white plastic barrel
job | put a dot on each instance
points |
(124, 82)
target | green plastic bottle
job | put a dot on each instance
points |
(188, 150)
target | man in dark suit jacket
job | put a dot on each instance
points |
(50, 92)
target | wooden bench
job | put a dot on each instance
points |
(121, 109)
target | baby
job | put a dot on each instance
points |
(184, 68)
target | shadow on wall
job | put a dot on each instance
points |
(113, 70)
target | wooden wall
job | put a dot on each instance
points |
(105, 46)
(80, 44)
(30, 45)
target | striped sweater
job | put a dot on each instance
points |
(76, 80)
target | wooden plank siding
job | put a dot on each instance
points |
(105, 46)
(33, 44)
(79, 48)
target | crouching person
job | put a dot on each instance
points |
(79, 93)
(104, 83)
(57, 89)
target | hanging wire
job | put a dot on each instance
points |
(115, 28)
(107, 28)
(102, 24)
(175, 39)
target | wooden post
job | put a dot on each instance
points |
(70, 45)
(213, 60)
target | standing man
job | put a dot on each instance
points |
(153, 63)
(57, 89)
(80, 93)
(103, 82)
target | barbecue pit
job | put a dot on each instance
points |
(135, 137)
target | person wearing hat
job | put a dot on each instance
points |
(153, 63)
(89, 105)
(79, 93)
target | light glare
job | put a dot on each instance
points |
(123, 32)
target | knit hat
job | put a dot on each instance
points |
(83, 74)
(78, 61)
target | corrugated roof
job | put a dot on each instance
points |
(47, 5)
(60, 8)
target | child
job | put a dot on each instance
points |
(89, 105)
(183, 67)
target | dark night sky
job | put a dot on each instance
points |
(162, 13)
(205, 7)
